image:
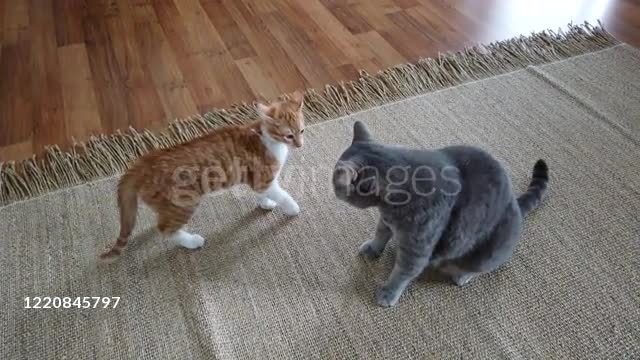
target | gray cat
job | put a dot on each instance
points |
(451, 209)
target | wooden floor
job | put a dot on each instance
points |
(72, 68)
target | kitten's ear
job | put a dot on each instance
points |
(298, 98)
(360, 133)
(265, 112)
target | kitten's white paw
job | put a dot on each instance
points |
(291, 208)
(267, 204)
(189, 241)
(192, 242)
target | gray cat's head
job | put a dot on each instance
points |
(356, 177)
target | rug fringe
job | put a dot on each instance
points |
(108, 155)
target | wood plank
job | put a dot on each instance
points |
(16, 151)
(351, 19)
(298, 47)
(375, 13)
(82, 117)
(223, 69)
(349, 71)
(259, 7)
(3, 7)
(343, 39)
(301, 22)
(409, 38)
(437, 29)
(371, 66)
(233, 38)
(111, 90)
(172, 25)
(15, 22)
(102, 8)
(384, 52)
(406, 4)
(16, 109)
(15, 98)
(68, 16)
(175, 97)
(204, 90)
(46, 91)
(274, 59)
(144, 108)
(472, 30)
(260, 81)
(200, 34)
(204, 61)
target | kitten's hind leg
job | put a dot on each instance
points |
(171, 219)
(187, 240)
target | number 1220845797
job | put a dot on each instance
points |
(66, 302)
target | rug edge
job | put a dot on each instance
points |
(107, 155)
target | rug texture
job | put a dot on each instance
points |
(268, 287)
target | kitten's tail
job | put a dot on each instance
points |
(533, 196)
(128, 204)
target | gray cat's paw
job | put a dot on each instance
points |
(368, 250)
(387, 297)
(463, 279)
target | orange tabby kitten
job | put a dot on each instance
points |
(172, 181)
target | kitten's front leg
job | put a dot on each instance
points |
(276, 194)
(266, 204)
(374, 248)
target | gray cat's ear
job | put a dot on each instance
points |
(360, 133)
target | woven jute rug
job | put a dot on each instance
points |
(267, 286)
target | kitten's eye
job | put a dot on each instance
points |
(301, 131)
(290, 136)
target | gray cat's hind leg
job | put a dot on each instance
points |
(491, 254)
(463, 279)
(374, 248)
(457, 275)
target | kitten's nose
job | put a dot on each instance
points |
(298, 142)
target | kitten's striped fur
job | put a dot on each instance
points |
(172, 181)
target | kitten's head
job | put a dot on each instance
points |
(283, 120)
(356, 176)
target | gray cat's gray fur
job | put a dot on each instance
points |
(452, 209)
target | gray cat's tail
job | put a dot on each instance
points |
(533, 196)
